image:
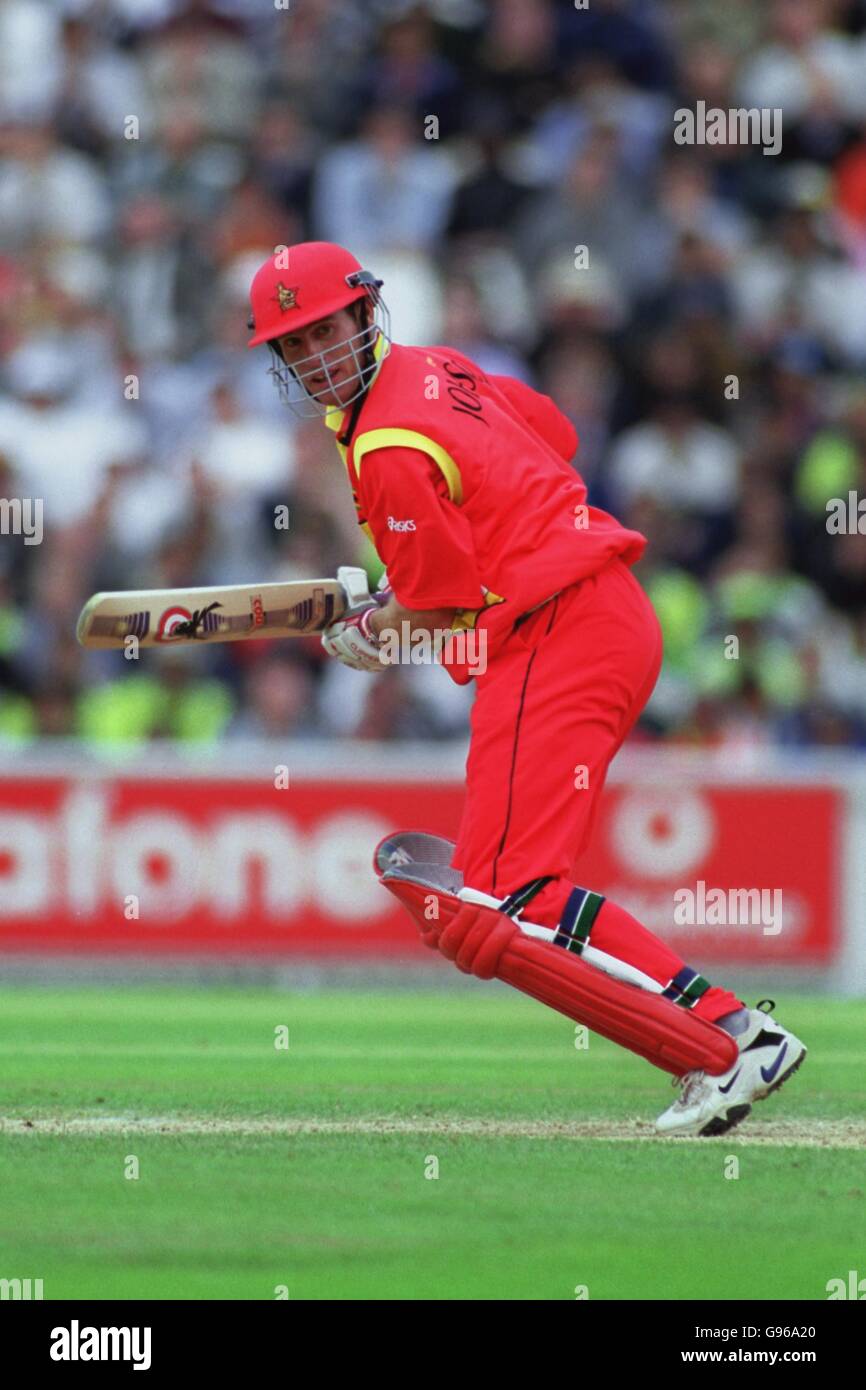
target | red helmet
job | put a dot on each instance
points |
(300, 284)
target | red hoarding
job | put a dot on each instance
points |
(120, 863)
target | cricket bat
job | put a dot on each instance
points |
(166, 617)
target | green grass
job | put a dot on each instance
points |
(351, 1214)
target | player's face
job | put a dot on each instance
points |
(321, 359)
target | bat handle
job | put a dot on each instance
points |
(355, 586)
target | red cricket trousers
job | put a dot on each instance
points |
(550, 713)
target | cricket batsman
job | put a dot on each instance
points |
(465, 485)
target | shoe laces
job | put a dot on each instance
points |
(692, 1084)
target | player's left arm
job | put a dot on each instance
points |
(542, 414)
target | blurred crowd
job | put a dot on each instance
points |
(711, 354)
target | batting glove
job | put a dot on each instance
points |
(352, 640)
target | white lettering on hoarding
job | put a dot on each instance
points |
(86, 856)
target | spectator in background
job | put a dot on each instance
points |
(688, 206)
(793, 278)
(31, 63)
(54, 712)
(677, 456)
(630, 40)
(841, 670)
(811, 74)
(695, 290)
(99, 87)
(48, 192)
(598, 94)
(155, 278)
(580, 376)
(283, 154)
(833, 462)
(408, 73)
(239, 454)
(519, 57)
(596, 208)
(411, 704)
(464, 327)
(389, 190)
(279, 702)
(61, 451)
(182, 165)
(174, 699)
(322, 38)
(317, 489)
(200, 56)
(491, 190)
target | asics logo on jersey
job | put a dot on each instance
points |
(395, 525)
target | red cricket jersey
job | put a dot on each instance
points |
(463, 483)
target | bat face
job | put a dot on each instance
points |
(167, 617)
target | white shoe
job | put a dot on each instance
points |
(711, 1105)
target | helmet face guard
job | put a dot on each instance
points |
(362, 351)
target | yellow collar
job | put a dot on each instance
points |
(335, 419)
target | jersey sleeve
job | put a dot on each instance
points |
(422, 537)
(541, 414)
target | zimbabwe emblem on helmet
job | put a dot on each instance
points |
(286, 298)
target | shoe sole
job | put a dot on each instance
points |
(722, 1124)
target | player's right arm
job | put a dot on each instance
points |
(426, 545)
(422, 537)
(394, 614)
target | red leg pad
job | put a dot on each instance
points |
(486, 943)
(417, 900)
(665, 1034)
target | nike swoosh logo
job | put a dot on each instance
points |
(724, 1089)
(769, 1072)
